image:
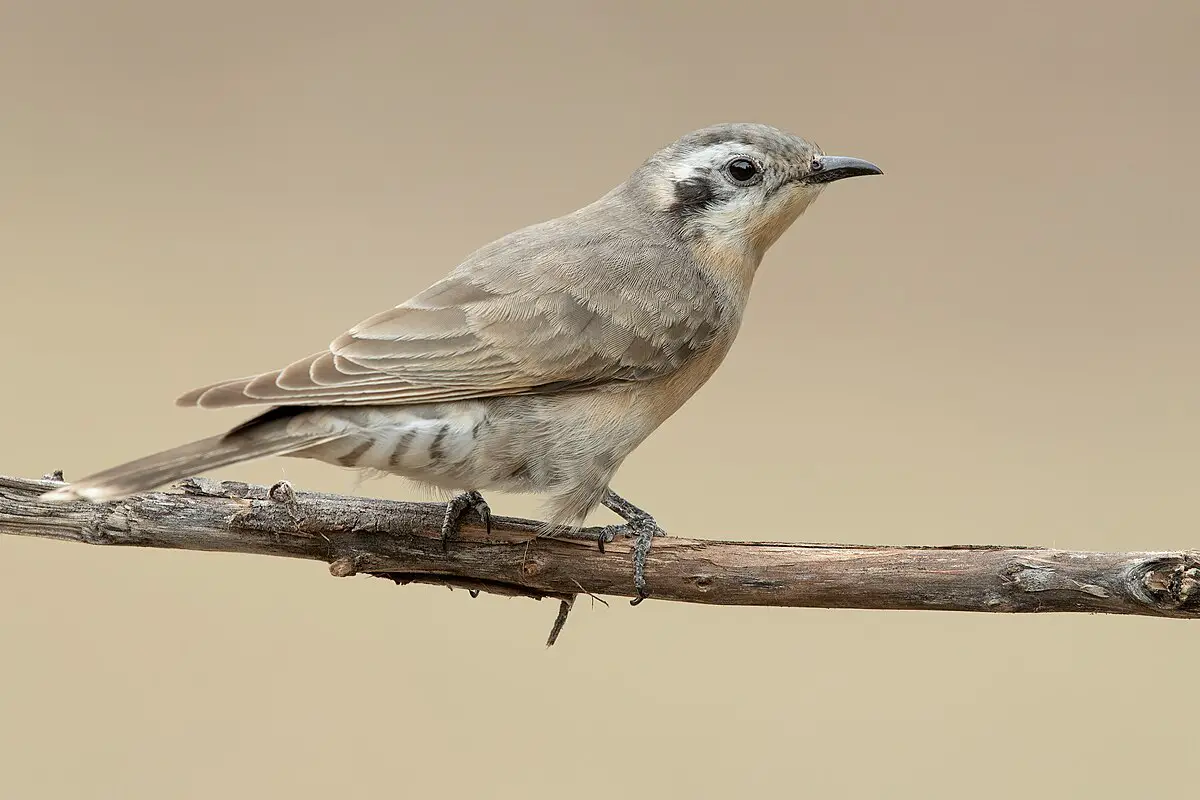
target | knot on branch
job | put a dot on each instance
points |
(1169, 582)
(206, 487)
(344, 567)
(107, 523)
(1032, 576)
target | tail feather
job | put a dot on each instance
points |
(185, 461)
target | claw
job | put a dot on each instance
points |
(642, 541)
(639, 525)
(607, 535)
(455, 510)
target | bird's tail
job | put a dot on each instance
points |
(251, 441)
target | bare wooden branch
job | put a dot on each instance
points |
(400, 541)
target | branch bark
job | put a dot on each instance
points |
(400, 541)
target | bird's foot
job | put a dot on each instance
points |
(459, 506)
(641, 527)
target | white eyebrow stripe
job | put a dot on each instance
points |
(708, 157)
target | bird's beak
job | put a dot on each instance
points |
(827, 169)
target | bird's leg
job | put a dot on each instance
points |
(642, 527)
(457, 507)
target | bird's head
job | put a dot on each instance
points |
(735, 188)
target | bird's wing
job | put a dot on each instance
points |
(554, 318)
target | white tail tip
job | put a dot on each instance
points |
(67, 494)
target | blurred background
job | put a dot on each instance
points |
(994, 342)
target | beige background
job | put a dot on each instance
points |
(995, 342)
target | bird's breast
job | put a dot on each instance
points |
(660, 398)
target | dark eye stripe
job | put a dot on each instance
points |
(693, 194)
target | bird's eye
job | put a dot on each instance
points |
(742, 170)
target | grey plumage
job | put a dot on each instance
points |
(543, 359)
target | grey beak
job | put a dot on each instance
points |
(827, 169)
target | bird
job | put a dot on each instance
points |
(541, 361)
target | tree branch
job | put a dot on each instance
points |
(400, 541)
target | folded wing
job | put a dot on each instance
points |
(555, 321)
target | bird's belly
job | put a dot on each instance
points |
(540, 444)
